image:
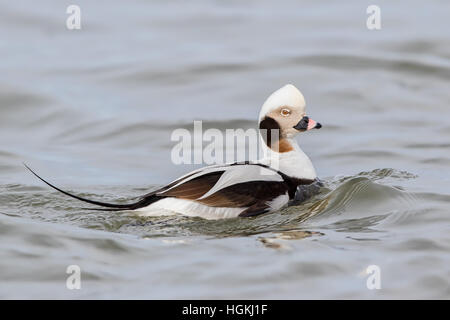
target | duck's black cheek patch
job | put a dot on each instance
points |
(270, 131)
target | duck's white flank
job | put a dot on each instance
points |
(190, 208)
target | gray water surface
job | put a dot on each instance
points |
(92, 110)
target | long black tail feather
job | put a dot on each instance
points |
(148, 199)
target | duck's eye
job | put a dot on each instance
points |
(285, 112)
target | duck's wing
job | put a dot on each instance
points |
(235, 185)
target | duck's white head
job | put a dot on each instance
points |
(284, 111)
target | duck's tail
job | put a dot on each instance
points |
(143, 202)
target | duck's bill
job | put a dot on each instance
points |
(307, 124)
(313, 125)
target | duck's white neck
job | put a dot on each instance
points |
(294, 163)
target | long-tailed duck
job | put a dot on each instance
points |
(239, 189)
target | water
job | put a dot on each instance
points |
(92, 110)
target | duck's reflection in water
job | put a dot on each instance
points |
(279, 240)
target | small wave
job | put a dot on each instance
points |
(102, 131)
(359, 201)
(12, 99)
(379, 174)
(429, 145)
(348, 62)
(180, 75)
(381, 154)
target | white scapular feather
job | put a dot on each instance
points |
(241, 174)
